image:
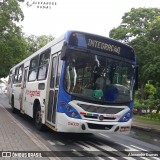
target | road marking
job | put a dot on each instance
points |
(156, 158)
(40, 144)
(129, 158)
(104, 135)
(104, 147)
(138, 148)
(128, 148)
(112, 158)
(55, 143)
(77, 153)
(86, 146)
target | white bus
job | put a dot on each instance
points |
(80, 82)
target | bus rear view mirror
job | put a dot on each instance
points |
(64, 51)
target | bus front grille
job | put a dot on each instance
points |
(105, 118)
(99, 126)
(100, 109)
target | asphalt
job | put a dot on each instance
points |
(15, 137)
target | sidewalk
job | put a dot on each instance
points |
(146, 126)
(15, 137)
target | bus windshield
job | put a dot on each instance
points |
(98, 78)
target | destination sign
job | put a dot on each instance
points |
(104, 46)
(101, 44)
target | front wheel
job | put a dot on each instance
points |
(38, 120)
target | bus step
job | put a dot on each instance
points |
(22, 112)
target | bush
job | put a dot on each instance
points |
(152, 116)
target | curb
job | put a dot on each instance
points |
(155, 131)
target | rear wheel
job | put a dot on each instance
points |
(38, 119)
(12, 105)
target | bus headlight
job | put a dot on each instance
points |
(126, 117)
(71, 112)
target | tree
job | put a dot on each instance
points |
(139, 28)
(37, 42)
(12, 43)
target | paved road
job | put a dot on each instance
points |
(70, 146)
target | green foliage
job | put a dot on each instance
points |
(135, 23)
(37, 42)
(153, 116)
(150, 91)
(140, 28)
(12, 43)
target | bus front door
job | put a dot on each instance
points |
(23, 92)
(53, 92)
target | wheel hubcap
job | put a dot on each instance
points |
(38, 117)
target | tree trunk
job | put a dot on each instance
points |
(158, 108)
(142, 92)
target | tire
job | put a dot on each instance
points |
(38, 120)
(12, 105)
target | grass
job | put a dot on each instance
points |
(145, 119)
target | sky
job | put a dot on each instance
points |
(93, 16)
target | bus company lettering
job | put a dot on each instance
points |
(32, 93)
(104, 46)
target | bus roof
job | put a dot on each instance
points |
(96, 41)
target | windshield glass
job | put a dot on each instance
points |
(98, 78)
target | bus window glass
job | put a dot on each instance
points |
(98, 78)
(32, 75)
(44, 60)
(42, 72)
(20, 72)
(33, 69)
(58, 70)
(34, 63)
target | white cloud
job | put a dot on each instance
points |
(95, 16)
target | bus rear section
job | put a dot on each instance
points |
(96, 88)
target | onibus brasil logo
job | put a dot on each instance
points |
(41, 4)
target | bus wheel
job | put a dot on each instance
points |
(12, 105)
(38, 119)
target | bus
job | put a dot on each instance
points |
(78, 83)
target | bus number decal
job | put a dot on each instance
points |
(73, 124)
(32, 93)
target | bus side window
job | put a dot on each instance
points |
(16, 75)
(43, 68)
(20, 72)
(33, 69)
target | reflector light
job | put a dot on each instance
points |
(96, 115)
(63, 103)
(83, 113)
(89, 114)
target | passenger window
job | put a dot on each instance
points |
(42, 74)
(32, 75)
(33, 69)
(43, 65)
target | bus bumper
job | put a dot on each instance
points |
(71, 125)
